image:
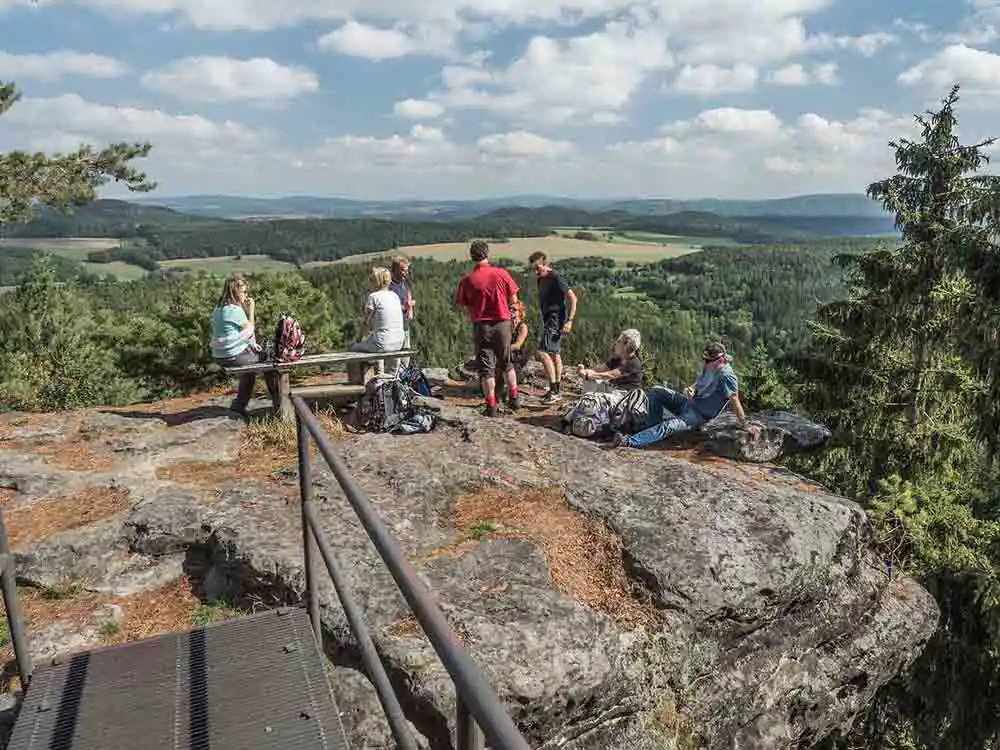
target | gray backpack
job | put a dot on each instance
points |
(590, 417)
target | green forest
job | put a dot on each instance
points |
(894, 345)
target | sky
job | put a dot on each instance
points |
(399, 99)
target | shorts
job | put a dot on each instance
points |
(550, 341)
(492, 342)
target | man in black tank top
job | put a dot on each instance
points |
(557, 303)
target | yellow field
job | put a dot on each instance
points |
(555, 247)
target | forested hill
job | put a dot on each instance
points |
(167, 234)
(105, 218)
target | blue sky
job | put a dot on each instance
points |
(469, 98)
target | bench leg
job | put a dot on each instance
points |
(283, 403)
(359, 373)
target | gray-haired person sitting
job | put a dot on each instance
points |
(622, 372)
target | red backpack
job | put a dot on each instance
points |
(289, 341)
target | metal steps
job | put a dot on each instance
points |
(258, 682)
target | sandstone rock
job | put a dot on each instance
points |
(361, 712)
(437, 375)
(768, 622)
(782, 434)
(627, 599)
(169, 521)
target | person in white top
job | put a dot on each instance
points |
(383, 318)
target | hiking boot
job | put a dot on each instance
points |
(514, 403)
(491, 410)
(620, 440)
(551, 397)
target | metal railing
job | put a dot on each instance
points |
(12, 608)
(480, 714)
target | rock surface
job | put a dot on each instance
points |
(614, 599)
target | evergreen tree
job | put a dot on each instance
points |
(889, 369)
(886, 366)
(62, 180)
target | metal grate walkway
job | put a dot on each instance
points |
(257, 683)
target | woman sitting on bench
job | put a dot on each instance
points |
(234, 342)
(383, 320)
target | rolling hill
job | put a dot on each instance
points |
(229, 206)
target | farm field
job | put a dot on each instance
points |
(556, 247)
(116, 268)
(74, 248)
(648, 238)
(225, 265)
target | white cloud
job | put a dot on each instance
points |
(796, 74)
(375, 43)
(427, 133)
(981, 25)
(521, 143)
(184, 144)
(744, 121)
(724, 151)
(977, 71)
(867, 45)
(224, 79)
(418, 109)
(713, 80)
(52, 66)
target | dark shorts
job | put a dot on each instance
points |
(550, 341)
(492, 342)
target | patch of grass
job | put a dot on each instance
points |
(482, 529)
(206, 614)
(60, 591)
(109, 629)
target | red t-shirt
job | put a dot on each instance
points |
(484, 292)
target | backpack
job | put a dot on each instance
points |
(387, 406)
(289, 341)
(629, 414)
(414, 377)
(590, 417)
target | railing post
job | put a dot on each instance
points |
(18, 635)
(311, 550)
(469, 735)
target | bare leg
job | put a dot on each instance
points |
(549, 365)
(510, 378)
(489, 388)
(557, 367)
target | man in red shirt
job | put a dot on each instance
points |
(487, 293)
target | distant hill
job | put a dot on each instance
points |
(749, 229)
(842, 205)
(106, 218)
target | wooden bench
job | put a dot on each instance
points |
(369, 361)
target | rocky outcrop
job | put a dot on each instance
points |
(614, 599)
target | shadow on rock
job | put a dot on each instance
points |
(175, 419)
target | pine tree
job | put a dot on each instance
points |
(886, 365)
(62, 180)
(896, 372)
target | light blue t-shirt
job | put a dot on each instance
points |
(227, 339)
(713, 389)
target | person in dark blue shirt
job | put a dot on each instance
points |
(671, 412)
(558, 307)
